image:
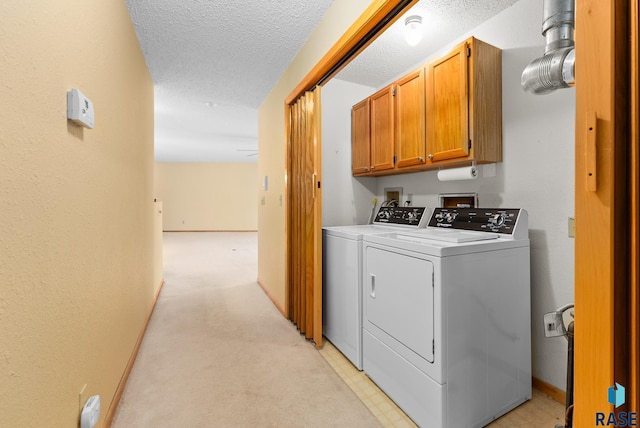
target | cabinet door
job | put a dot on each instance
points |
(382, 130)
(410, 120)
(360, 138)
(448, 106)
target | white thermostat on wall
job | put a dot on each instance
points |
(80, 109)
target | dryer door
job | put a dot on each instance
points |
(398, 299)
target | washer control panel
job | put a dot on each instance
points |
(405, 216)
(495, 220)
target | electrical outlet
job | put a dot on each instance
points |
(553, 325)
(572, 227)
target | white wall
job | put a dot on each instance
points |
(345, 199)
(537, 173)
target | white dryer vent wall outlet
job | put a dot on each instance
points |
(90, 412)
(80, 109)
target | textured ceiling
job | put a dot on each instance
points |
(229, 54)
(214, 62)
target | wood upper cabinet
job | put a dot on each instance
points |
(360, 138)
(410, 120)
(464, 104)
(382, 130)
(449, 112)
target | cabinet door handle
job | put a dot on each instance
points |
(430, 155)
(421, 159)
(372, 167)
(366, 168)
(313, 185)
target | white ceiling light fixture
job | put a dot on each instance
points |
(413, 29)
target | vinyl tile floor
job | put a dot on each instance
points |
(540, 412)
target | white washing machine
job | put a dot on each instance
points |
(342, 275)
(446, 327)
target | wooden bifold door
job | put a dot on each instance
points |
(304, 272)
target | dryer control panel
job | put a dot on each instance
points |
(403, 216)
(494, 220)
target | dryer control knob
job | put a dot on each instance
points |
(496, 220)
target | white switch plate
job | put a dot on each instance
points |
(80, 109)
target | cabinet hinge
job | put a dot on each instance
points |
(394, 160)
(468, 51)
(469, 144)
(393, 92)
(433, 347)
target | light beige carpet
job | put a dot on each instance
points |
(217, 353)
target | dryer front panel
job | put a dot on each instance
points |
(399, 299)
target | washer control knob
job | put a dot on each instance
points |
(496, 220)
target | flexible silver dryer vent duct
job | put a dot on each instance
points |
(555, 69)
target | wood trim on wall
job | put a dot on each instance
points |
(209, 230)
(370, 18)
(601, 204)
(546, 388)
(113, 407)
(634, 283)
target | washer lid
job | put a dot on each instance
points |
(455, 236)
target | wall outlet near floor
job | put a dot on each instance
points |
(90, 412)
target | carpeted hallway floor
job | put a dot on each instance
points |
(217, 353)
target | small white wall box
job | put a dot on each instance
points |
(90, 412)
(80, 109)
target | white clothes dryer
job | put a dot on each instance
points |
(342, 275)
(446, 317)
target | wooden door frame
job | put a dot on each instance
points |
(601, 32)
(374, 19)
(602, 258)
(634, 294)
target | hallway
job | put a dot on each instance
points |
(218, 353)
